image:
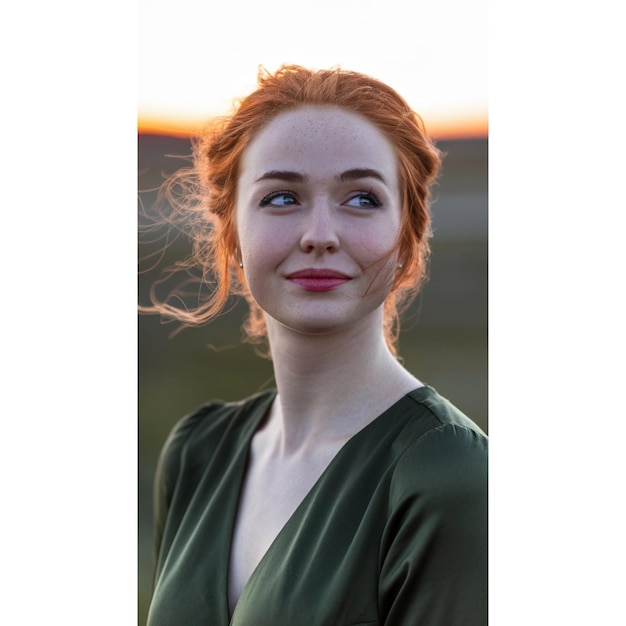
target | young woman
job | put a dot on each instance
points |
(352, 494)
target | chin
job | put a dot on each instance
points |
(326, 323)
(313, 326)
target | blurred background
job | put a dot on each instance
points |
(443, 341)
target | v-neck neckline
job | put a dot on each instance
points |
(242, 466)
(238, 482)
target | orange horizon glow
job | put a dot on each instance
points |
(468, 128)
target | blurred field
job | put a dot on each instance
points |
(444, 338)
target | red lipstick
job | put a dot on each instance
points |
(318, 279)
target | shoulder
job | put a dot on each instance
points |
(442, 410)
(198, 433)
(448, 458)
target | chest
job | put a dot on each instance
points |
(285, 535)
(271, 492)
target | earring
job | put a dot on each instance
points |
(241, 265)
(399, 265)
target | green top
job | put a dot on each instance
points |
(394, 531)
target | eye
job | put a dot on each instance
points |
(364, 200)
(279, 199)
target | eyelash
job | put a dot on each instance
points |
(376, 203)
(267, 200)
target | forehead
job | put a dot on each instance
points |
(326, 139)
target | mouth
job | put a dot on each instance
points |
(318, 279)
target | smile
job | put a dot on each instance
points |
(318, 279)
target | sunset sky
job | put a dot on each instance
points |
(194, 59)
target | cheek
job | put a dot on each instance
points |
(248, 236)
(262, 244)
(378, 243)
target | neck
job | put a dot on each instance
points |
(331, 386)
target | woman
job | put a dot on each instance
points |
(353, 493)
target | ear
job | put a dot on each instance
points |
(236, 258)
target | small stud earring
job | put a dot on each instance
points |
(241, 265)
(399, 265)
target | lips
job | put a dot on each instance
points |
(318, 279)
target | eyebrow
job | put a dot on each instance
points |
(296, 177)
(291, 177)
(361, 172)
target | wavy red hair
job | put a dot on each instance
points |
(205, 196)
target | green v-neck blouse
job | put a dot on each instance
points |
(394, 531)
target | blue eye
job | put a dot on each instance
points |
(279, 199)
(365, 201)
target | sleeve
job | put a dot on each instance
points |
(434, 550)
(166, 477)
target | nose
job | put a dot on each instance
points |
(320, 232)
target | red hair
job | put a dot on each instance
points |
(206, 193)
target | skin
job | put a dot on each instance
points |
(321, 222)
(334, 206)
